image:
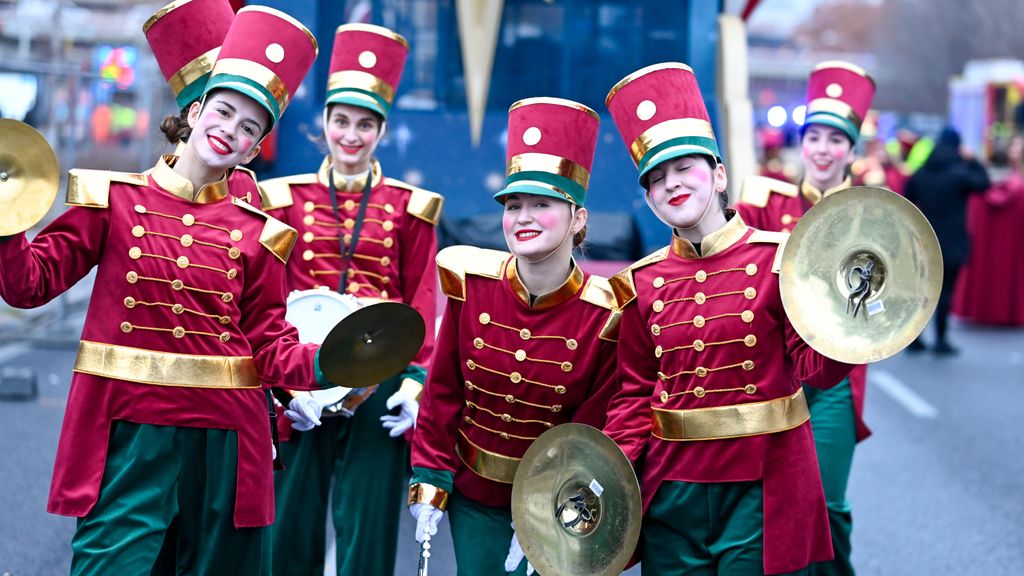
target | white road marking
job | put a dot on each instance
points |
(902, 394)
(11, 351)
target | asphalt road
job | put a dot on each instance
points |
(936, 490)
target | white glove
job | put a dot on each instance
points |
(304, 412)
(406, 419)
(427, 518)
(515, 557)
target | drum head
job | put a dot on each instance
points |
(315, 312)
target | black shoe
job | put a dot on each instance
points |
(942, 348)
(916, 346)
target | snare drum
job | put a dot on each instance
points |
(314, 313)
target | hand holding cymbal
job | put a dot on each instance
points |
(29, 177)
(371, 344)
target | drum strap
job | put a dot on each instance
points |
(348, 253)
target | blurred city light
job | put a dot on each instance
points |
(798, 114)
(776, 116)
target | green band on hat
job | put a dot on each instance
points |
(533, 182)
(675, 148)
(192, 92)
(829, 119)
(250, 88)
(360, 98)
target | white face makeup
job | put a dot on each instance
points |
(826, 151)
(681, 190)
(352, 136)
(226, 129)
(536, 226)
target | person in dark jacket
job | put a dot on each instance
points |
(940, 189)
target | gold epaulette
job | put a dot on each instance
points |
(276, 236)
(248, 173)
(91, 188)
(277, 193)
(598, 291)
(423, 204)
(757, 189)
(763, 237)
(454, 262)
(621, 283)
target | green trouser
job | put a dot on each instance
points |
(482, 536)
(702, 529)
(370, 488)
(835, 436)
(166, 506)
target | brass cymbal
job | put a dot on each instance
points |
(371, 344)
(576, 503)
(861, 274)
(29, 177)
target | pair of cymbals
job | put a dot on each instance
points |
(29, 177)
(576, 503)
(861, 275)
(371, 344)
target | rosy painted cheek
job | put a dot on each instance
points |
(334, 133)
(507, 221)
(547, 220)
(246, 143)
(700, 176)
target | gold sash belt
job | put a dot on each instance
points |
(752, 419)
(165, 368)
(488, 464)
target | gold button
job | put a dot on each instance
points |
(478, 343)
(750, 389)
(135, 253)
(566, 366)
(309, 206)
(234, 253)
(515, 377)
(747, 316)
(307, 237)
(224, 337)
(659, 282)
(664, 396)
(556, 408)
(224, 320)
(188, 219)
(469, 385)
(749, 293)
(129, 302)
(485, 318)
(350, 205)
(520, 355)
(389, 242)
(353, 287)
(177, 308)
(658, 306)
(307, 255)
(699, 392)
(384, 294)
(700, 276)
(467, 419)
(559, 389)
(699, 321)
(389, 208)
(701, 371)
(138, 231)
(178, 332)
(182, 261)
(347, 238)
(126, 327)
(700, 298)
(750, 340)
(385, 261)
(236, 235)
(506, 418)
(232, 273)
(662, 376)
(785, 229)
(748, 365)
(655, 329)
(504, 435)
(658, 351)
(389, 226)
(385, 280)
(349, 223)
(571, 344)
(227, 297)
(350, 274)
(510, 398)
(308, 220)
(132, 277)
(787, 219)
(751, 269)
(698, 345)
(140, 208)
(178, 285)
(525, 334)
(470, 364)
(186, 240)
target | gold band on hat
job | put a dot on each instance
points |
(359, 80)
(258, 73)
(538, 162)
(556, 102)
(373, 29)
(736, 421)
(163, 12)
(832, 106)
(193, 71)
(165, 368)
(643, 72)
(669, 130)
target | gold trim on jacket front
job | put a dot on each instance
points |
(714, 242)
(166, 178)
(567, 290)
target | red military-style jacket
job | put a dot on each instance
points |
(776, 206)
(505, 370)
(184, 327)
(711, 373)
(394, 257)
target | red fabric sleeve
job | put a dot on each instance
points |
(594, 410)
(418, 247)
(32, 274)
(811, 367)
(629, 412)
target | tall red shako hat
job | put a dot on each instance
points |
(366, 67)
(839, 94)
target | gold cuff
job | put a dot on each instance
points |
(420, 493)
(736, 421)
(411, 386)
